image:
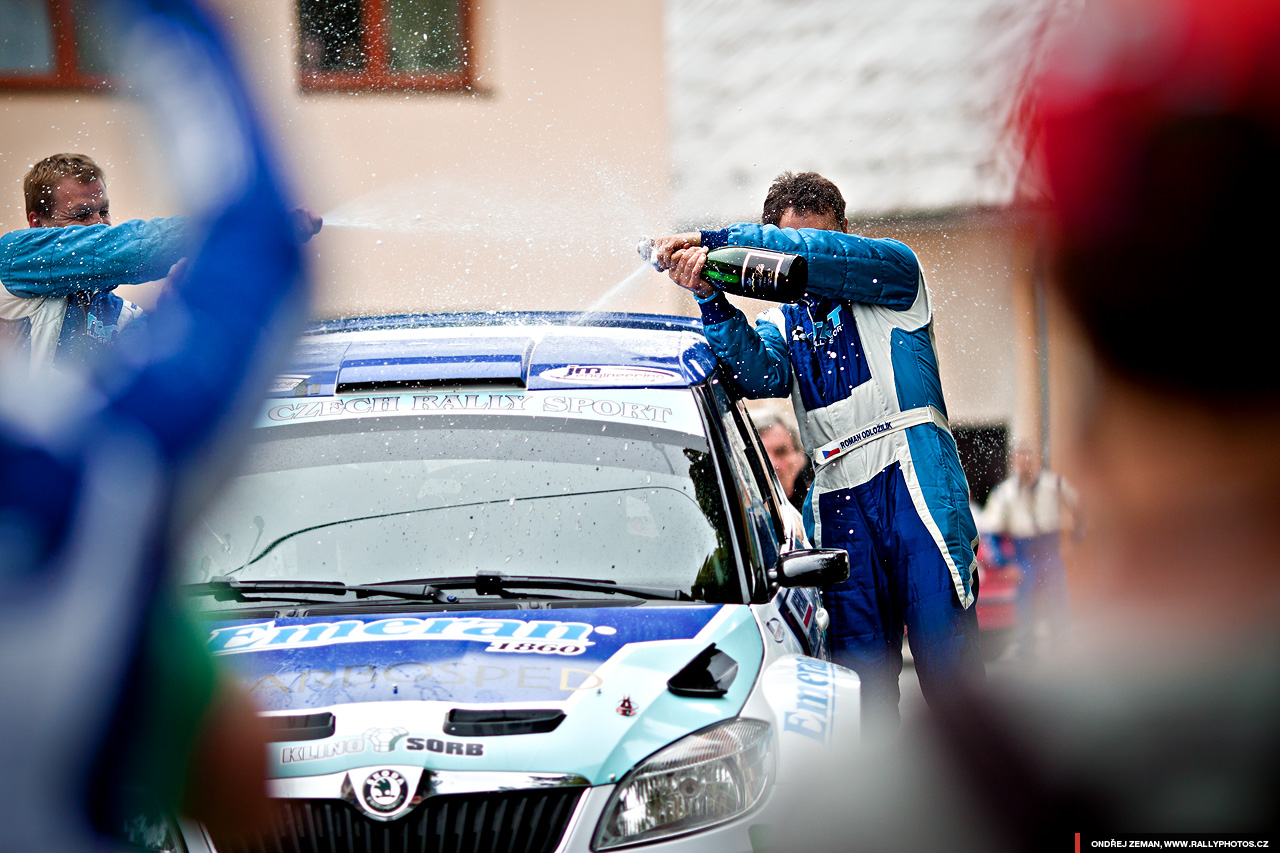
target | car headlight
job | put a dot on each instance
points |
(701, 780)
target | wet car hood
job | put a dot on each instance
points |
(365, 688)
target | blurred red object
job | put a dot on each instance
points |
(1156, 122)
(1136, 67)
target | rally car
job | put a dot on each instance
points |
(519, 582)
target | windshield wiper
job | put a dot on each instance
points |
(226, 588)
(427, 589)
(496, 583)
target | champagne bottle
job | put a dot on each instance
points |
(744, 271)
(757, 273)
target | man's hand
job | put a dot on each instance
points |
(306, 223)
(687, 271)
(665, 247)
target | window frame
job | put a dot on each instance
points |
(66, 74)
(376, 47)
(737, 482)
(763, 470)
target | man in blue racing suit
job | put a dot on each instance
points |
(59, 275)
(856, 354)
(58, 298)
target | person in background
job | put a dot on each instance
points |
(781, 442)
(1025, 515)
(58, 296)
(1158, 123)
(857, 357)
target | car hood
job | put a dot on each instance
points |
(347, 691)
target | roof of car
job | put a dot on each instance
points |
(536, 350)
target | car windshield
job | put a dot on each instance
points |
(374, 500)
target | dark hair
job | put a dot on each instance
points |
(807, 192)
(44, 177)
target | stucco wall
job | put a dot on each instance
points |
(529, 192)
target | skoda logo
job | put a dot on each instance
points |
(385, 790)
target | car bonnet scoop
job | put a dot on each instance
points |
(493, 723)
(709, 675)
(438, 360)
(291, 727)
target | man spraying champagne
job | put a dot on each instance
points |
(855, 352)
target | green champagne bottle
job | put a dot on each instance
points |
(744, 271)
(757, 273)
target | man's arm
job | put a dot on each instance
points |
(843, 266)
(59, 261)
(756, 359)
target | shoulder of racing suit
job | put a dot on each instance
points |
(877, 271)
(37, 262)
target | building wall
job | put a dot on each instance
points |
(908, 105)
(529, 192)
(972, 265)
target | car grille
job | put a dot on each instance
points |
(533, 820)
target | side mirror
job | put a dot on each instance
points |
(812, 567)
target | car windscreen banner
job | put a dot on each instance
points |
(491, 656)
(672, 409)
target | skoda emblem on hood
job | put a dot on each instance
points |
(385, 790)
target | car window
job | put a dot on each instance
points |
(761, 523)
(370, 500)
(765, 477)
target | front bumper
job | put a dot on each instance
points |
(549, 818)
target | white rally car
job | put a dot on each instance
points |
(519, 583)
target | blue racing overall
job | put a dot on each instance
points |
(59, 283)
(856, 354)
